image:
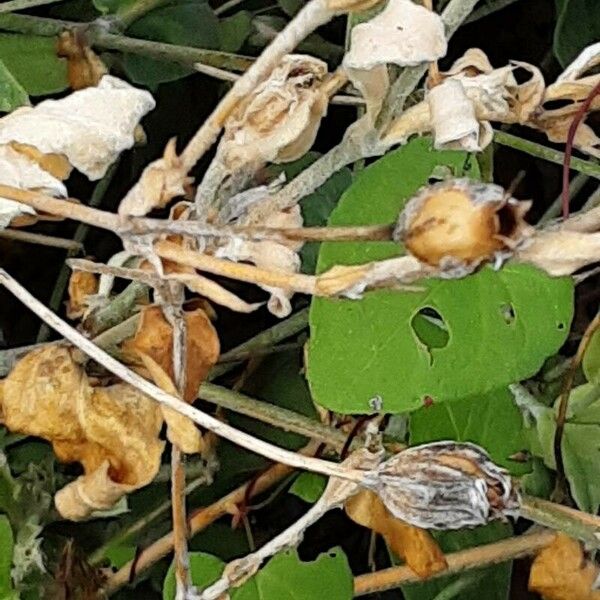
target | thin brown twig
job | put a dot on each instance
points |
(202, 518)
(561, 417)
(30, 237)
(477, 557)
(434, 76)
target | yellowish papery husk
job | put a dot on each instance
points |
(113, 432)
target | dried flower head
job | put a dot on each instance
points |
(278, 121)
(461, 222)
(446, 485)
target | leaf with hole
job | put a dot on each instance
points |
(491, 421)
(284, 577)
(185, 23)
(452, 339)
(32, 62)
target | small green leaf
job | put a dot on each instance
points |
(284, 577)
(580, 444)
(577, 26)
(501, 325)
(235, 30)
(492, 421)
(120, 555)
(185, 23)
(32, 61)
(12, 93)
(494, 580)
(591, 359)
(309, 487)
(6, 558)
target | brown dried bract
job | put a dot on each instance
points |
(154, 338)
(416, 546)
(113, 432)
(461, 222)
(561, 572)
(82, 285)
(84, 67)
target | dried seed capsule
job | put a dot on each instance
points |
(461, 222)
(446, 485)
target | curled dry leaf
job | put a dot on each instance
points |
(561, 572)
(351, 5)
(571, 88)
(90, 127)
(445, 485)
(279, 120)
(113, 432)
(161, 181)
(84, 67)
(461, 223)
(82, 285)
(154, 338)
(267, 254)
(416, 546)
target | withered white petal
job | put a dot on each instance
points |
(373, 85)
(90, 126)
(404, 34)
(587, 59)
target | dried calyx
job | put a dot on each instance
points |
(446, 485)
(462, 223)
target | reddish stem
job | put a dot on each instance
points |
(579, 116)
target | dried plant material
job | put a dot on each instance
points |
(453, 120)
(161, 181)
(269, 255)
(113, 432)
(446, 485)
(351, 5)
(561, 572)
(154, 338)
(181, 431)
(91, 127)
(82, 285)
(416, 546)
(373, 85)
(404, 34)
(84, 67)
(56, 164)
(460, 222)
(279, 120)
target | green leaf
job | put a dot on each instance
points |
(591, 359)
(580, 444)
(12, 93)
(309, 487)
(120, 555)
(6, 558)
(235, 30)
(284, 577)
(32, 61)
(501, 325)
(577, 26)
(112, 6)
(186, 23)
(492, 421)
(494, 580)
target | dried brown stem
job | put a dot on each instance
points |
(489, 554)
(204, 517)
(561, 417)
(29, 237)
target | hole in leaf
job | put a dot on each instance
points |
(508, 313)
(431, 329)
(561, 326)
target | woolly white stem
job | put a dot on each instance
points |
(234, 435)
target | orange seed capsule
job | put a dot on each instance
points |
(461, 222)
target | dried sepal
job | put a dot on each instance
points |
(561, 572)
(91, 127)
(404, 34)
(113, 432)
(154, 338)
(279, 120)
(82, 286)
(446, 485)
(416, 546)
(84, 67)
(461, 222)
(373, 85)
(161, 181)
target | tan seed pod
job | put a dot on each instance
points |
(461, 222)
